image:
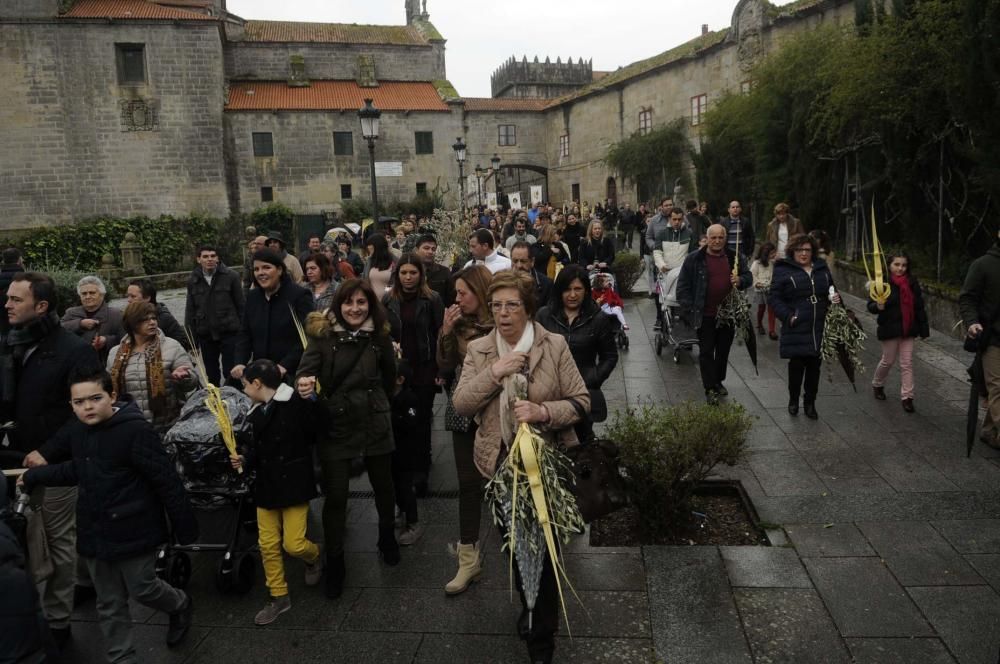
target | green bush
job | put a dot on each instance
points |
(666, 451)
(273, 217)
(627, 269)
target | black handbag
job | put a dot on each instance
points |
(597, 481)
(598, 406)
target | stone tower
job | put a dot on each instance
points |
(540, 79)
(415, 11)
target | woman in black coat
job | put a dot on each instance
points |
(597, 251)
(590, 334)
(901, 319)
(800, 296)
(268, 329)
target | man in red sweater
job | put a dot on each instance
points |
(705, 280)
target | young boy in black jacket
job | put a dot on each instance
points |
(126, 484)
(284, 431)
(404, 458)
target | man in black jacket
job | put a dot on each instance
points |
(979, 302)
(705, 280)
(520, 260)
(38, 356)
(214, 311)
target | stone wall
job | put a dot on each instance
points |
(30, 8)
(482, 139)
(269, 61)
(67, 154)
(305, 174)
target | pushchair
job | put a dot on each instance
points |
(674, 330)
(202, 460)
(596, 276)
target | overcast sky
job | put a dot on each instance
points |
(482, 35)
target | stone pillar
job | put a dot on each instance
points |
(131, 255)
(108, 272)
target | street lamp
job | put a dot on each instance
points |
(369, 116)
(459, 148)
(495, 162)
(479, 184)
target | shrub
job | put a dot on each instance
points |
(627, 269)
(666, 451)
(273, 217)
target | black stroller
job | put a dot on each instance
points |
(202, 460)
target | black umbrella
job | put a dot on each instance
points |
(977, 389)
(842, 355)
(751, 341)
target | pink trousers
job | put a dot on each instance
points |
(891, 349)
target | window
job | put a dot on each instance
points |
(699, 105)
(421, 189)
(425, 142)
(507, 135)
(345, 192)
(262, 144)
(266, 194)
(564, 145)
(343, 143)
(131, 62)
(746, 87)
(575, 189)
(645, 122)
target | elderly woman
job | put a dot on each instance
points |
(269, 330)
(350, 354)
(800, 286)
(782, 227)
(521, 355)
(464, 321)
(320, 281)
(150, 366)
(94, 321)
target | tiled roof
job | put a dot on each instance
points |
(504, 104)
(131, 9)
(331, 33)
(333, 96)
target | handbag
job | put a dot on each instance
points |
(597, 481)
(598, 406)
(452, 420)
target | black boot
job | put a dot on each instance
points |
(335, 572)
(810, 409)
(388, 548)
(180, 623)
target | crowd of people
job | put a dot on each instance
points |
(346, 349)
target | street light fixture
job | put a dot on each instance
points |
(479, 184)
(369, 116)
(495, 162)
(459, 148)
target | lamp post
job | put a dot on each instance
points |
(479, 184)
(495, 162)
(459, 148)
(369, 116)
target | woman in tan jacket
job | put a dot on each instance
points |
(493, 365)
(782, 227)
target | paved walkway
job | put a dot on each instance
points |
(891, 548)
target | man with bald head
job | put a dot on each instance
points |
(707, 276)
(739, 230)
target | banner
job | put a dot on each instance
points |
(491, 200)
(515, 201)
(536, 193)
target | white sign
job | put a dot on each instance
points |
(515, 201)
(536, 193)
(388, 169)
(491, 200)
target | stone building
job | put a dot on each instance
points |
(173, 106)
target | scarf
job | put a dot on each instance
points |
(30, 334)
(156, 384)
(515, 386)
(906, 303)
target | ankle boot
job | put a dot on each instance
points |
(335, 572)
(810, 409)
(388, 547)
(469, 569)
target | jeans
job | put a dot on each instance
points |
(212, 350)
(278, 529)
(803, 370)
(713, 352)
(891, 349)
(336, 480)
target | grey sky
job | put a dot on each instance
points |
(482, 35)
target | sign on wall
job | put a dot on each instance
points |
(491, 200)
(388, 169)
(536, 193)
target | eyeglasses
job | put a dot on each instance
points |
(509, 307)
(800, 250)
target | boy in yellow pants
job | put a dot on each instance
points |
(283, 433)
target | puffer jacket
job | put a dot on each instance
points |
(890, 319)
(553, 379)
(356, 373)
(591, 339)
(127, 485)
(136, 386)
(804, 296)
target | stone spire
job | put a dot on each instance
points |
(412, 11)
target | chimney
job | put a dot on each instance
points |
(704, 29)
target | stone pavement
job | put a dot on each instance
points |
(887, 547)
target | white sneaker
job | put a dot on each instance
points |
(410, 534)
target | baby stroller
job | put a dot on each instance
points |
(202, 460)
(608, 279)
(674, 330)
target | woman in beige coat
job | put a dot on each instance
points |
(493, 365)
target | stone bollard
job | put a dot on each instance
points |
(131, 255)
(109, 272)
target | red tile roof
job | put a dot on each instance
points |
(504, 104)
(333, 96)
(331, 33)
(131, 9)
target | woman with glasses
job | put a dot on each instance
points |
(800, 296)
(521, 357)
